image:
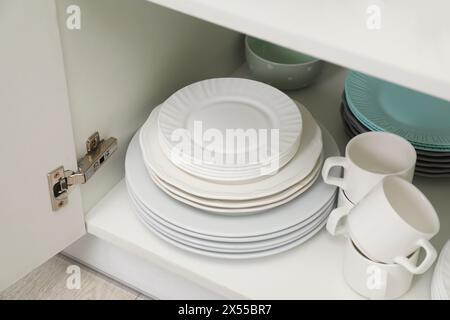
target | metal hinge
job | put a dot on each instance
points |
(61, 181)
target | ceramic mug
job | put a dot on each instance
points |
(392, 221)
(343, 200)
(375, 280)
(369, 157)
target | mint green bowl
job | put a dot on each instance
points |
(280, 67)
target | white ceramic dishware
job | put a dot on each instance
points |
(375, 280)
(232, 247)
(343, 201)
(242, 204)
(440, 284)
(197, 223)
(391, 222)
(301, 165)
(237, 208)
(199, 124)
(281, 67)
(369, 157)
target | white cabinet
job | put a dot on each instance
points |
(57, 86)
(37, 137)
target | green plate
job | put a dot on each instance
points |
(383, 106)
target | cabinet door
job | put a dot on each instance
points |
(35, 138)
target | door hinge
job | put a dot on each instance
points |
(61, 181)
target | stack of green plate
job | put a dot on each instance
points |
(371, 104)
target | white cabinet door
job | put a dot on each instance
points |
(35, 138)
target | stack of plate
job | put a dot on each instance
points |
(370, 104)
(232, 237)
(293, 175)
(440, 285)
(219, 105)
(241, 209)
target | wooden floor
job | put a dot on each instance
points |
(49, 282)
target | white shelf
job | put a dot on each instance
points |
(411, 48)
(310, 271)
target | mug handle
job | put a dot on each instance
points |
(427, 262)
(329, 164)
(334, 225)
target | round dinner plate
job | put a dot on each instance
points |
(382, 106)
(229, 175)
(229, 240)
(253, 255)
(237, 255)
(244, 203)
(425, 155)
(425, 167)
(292, 173)
(244, 206)
(196, 221)
(230, 247)
(236, 211)
(230, 103)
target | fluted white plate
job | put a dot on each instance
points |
(244, 208)
(230, 207)
(229, 103)
(292, 173)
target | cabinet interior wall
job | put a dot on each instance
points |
(128, 57)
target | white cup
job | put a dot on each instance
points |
(375, 280)
(391, 222)
(343, 201)
(369, 157)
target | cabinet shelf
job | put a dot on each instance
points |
(310, 271)
(410, 48)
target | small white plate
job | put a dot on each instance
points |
(295, 171)
(199, 222)
(231, 103)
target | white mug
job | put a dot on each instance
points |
(369, 157)
(343, 200)
(391, 222)
(375, 280)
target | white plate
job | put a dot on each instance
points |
(440, 289)
(241, 204)
(234, 246)
(237, 211)
(231, 103)
(196, 221)
(254, 255)
(295, 171)
(219, 239)
(237, 248)
(230, 175)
